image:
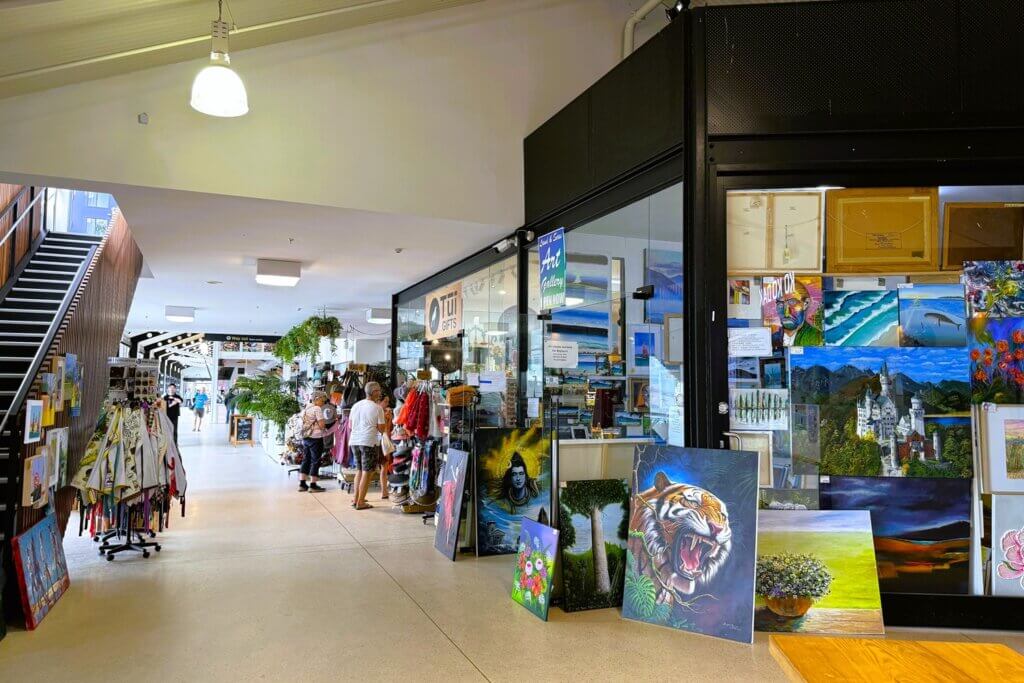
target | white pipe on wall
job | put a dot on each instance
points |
(630, 31)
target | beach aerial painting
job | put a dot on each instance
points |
(861, 318)
(922, 529)
(933, 315)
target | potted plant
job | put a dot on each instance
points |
(267, 397)
(790, 583)
(304, 338)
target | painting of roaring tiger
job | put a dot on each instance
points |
(685, 539)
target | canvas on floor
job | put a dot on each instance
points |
(922, 528)
(513, 482)
(41, 568)
(534, 571)
(692, 539)
(593, 521)
(816, 573)
(449, 504)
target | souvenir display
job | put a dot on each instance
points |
(932, 315)
(33, 421)
(449, 505)
(816, 573)
(922, 529)
(1008, 545)
(513, 482)
(792, 308)
(41, 568)
(592, 527)
(882, 230)
(981, 231)
(861, 318)
(692, 538)
(534, 571)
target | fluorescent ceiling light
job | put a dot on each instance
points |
(217, 90)
(180, 314)
(278, 273)
(497, 333)
(378, 316)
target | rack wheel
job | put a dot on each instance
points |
(152, 534)
(156, 548)
(96, 539)
(102, 552)
(145, 553)
(110, 557)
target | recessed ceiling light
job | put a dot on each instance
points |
(278, 273)
(378, 316)
(180, 314)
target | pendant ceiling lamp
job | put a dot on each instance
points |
(217, 89)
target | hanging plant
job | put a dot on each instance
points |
(304, 338)
(326, 326)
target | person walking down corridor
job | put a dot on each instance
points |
(173, 403)
(199, 408)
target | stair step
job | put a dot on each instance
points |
(44, 281)
(50, 271)
(66, 247)
(33, 311)
(4, 343)
(35, 323)
(74, 237)
(55, 265)
(59, 256)
(41, 291)
(28, 303)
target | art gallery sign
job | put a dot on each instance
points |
(443, 312)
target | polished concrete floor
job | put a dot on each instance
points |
(259, 581)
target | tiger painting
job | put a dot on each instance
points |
(679, 537)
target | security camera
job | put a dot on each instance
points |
(504, 245)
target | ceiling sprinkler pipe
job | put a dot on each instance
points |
(630, 30)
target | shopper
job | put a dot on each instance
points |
(386, 447)
(367, 418)
(173, 403)
(229, 403)
(199, 408)
(313, 430)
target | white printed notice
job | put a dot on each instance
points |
(561, 354)
(492, 381)
(750, 342)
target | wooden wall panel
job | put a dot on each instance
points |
(92, 330)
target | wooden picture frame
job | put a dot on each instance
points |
(774, 232)
(636, 402)
(761, 443)
(882, 230)
(982, 231)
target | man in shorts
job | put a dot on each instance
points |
(199, 409)
(367, 418)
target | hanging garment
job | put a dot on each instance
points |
(342, 432)
(176, 479)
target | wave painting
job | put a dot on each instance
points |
(862, 318)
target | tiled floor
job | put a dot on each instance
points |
(261, 582)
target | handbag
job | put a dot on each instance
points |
(387, 445)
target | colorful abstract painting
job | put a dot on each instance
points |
(759, 409)
(816, 573)
(449, 504)
(665, 274)
(922, 529)
(42, 569)
(513, 483)
(997, 359)
(593, 523)
(1008, 550)
(692, 541)
(792, 307)
(534, 572)
(932, 315)
(995, 288)
(861, 318)
(875, 405)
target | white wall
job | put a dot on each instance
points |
(423, 116)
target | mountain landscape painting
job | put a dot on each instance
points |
(875, 405)
(665, 273)
(861, 318)
(921, 527)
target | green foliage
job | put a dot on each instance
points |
(641, 596)
(584, 496)
(579, 591)
(304, 338)
(266, 396)
(843, 452)
(792, 576)
(566, 531)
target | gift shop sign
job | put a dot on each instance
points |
(443, 312)
(552, 269)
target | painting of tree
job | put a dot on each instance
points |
(594, 524)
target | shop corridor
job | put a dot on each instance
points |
(259, 581)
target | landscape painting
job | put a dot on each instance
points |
(933, 315)
(1014, 433)
(41, 568)
(1002, 441)
(692, 541)
(792, 308)
(806, 438)
(744, 372)
(875, 405)
(513, 482)
(995, 288)
(1008, 550)
(759, 409)
(534, 572)
(816, 573)
(665, 274)
(593, 524)
(997, 359)
(861, 318)
(745, 298)
(921, 527)
(449, 504)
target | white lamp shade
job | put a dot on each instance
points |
(218, 91)
(278, 273)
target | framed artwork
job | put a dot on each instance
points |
(794, 309)
(639, 394)
(880, 230)
(981, 231)
(33, 421)
(706, 585)
(593, 539)
(994, 288)
(449, 505)
(759, 409)
(59, 380)
(774, 231)
(1008, 546)
(744, 373)
(921, 528)
(816, 573)
(1002, 448)
(534, 571)
(996, 348)
(673, 339)
(805, 438)
(41, 568)
(53, 437)
(932, 315)
(513, 483)
(760, 443)
(34, 491)
(773, 373)
(644, 343)
(862, 318)
(744, 297)
(664, 272)
(579, 432)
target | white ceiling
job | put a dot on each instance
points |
(348, 257)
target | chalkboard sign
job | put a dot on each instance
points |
(242, 430)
